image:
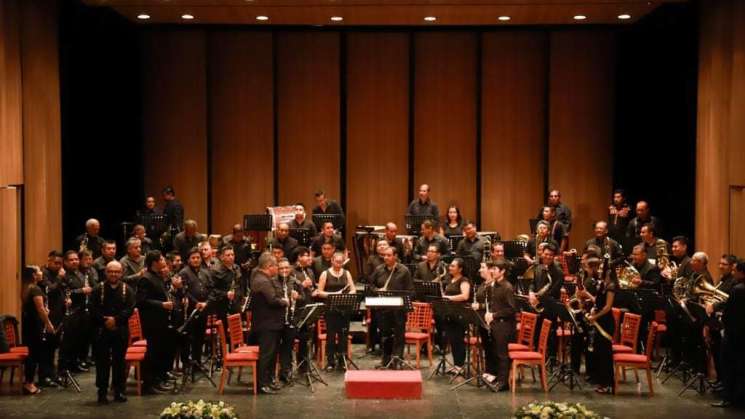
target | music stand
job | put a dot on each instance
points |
(302, 235)
(697, 381)
(257, 222)
(413, 223)
(309, 316)
(194, 365)
(564, 374)
(346, 305)
(514, 249)
(443, 310)
(386, 301)
(319, 219)
(473, 321)
(427, 290)
(454, 240)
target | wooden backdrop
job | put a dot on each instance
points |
(368, 116)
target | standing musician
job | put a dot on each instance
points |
(563, 213)
(76, 333)
(133, 263)
(90, 279)
(546, 290)
(423, 205)
(601, 316)
(496, 254)
(335, 280)
(188, 238)
(453, 225)
(301, 221)
(558, 230)
(292, 290)
(392, 276)
(155, 306)
(90, 240)
(427, 239)
(542, 237)
(655, 248)
(733, 342)
(458, 290)
(619, 214)
(241, 246)
(588, 282)
(113, 303)
(223, 290)
(643, 216)
(607, 245)
(177, 294)
(37, 329)
(432, 268)
(268, 306)
(282, 239)
(724, 283)
(496, 299)
(471, 250)
(327, 206)
(54, 287)
(209, 261)
(173, 211)
(108, 253)
(198, 282)
(304, 273)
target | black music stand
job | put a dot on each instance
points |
(514, 249)
(443, 310)
(413, 223)
(427, 290)
(454, 240)
(345, 304)
(309, 316)
(257, 222)
(319, 219)
(564, 374)
(405, 306)
(302, 235)
(473, 322)
(697, 380)
(194, 366)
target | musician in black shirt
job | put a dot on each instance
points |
(458, 290)
(197, 282)
(173, 211)
(301, 221)
(546, 289)
(282, 239)
(423, 205)
(634, 228)
(733, 342)
(292, 290)
(90, 240)
(75, 331)
(37, 329)
(108, 253)
(327, 236)
(619, 214)
(607, 245)
(326, 206)
(432, 268)
(428, 238)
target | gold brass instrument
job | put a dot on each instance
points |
(86, 284)
(83, 243)
(439, 277)
(538, 307)
(706, 293)
(626, 275)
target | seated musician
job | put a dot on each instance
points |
(453, 225)
(336, 280)
(431, 269)
(649, 274)
(428, 238)
(282, 239)
(323, 261)
(680, 257)
(458, 290)
(374, 260)
(542, 236)
(301, 221)
(327, 236)
(241, 244)
(392, 276)
(607, 245)
(546, 290)
(557, 230)
(391, 230)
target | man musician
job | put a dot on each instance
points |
(471, 250)
(225, 285)
(733, 342)
(301, 221)
(588, 281)
(619, 214)
(325, 206)
(197, 282)
(304, 274)
(546, 290)
(90, 240)
(432, 268)
(428, 238)
(327, 236)
(537, 243)
(392, 276)
(607, 245)
(495, 298)
(724, 283)
(655, 248)
(423, 205)
(294, 292)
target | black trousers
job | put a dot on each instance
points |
(490, 357)
(393, 333)
(373, 330)
(268, 347)
(733, 377)
(198, 327)
(455, 332)
(287, 340)
(602, 354)
(32, 339)
(110, 348)
(87, 335)
(160, 349)
(337, 329)
(72, 335)
(579, 348)
(502, 331)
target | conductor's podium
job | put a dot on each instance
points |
(373, 384)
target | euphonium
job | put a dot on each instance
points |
(707, 293)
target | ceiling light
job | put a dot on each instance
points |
(504, 18)
(580, 17)
(187, 17)
(624, 16)
(262, 17)
(430, 18)
(143, 16)
(337, 18)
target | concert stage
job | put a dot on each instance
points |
(437, 401)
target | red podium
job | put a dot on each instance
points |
(383, 384)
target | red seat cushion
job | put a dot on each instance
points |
(630, 358)
(141, 342)
(136, 349)
(12, 357)
(622, 349)
(661, 328)
(322, 336)
(564, 332)
(244, 349)
(525, 356)
(19, 350)
(417, 336)
(512, 347)
(241, 356)
(134, 357)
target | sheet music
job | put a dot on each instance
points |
(384, 301)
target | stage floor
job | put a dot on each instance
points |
(438, 401)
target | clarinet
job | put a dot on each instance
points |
(287, 296)
(169, 298)
(46, 308)
(487, 295)
(86, 284)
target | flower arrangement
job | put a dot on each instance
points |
(554, 410)
(198, 409)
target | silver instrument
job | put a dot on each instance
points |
(86, 284)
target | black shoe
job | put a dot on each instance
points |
(163, 387)
(723, 403)
(330, 368)
(171, 376)
(153, 390)
(81, 368)
(47, 382)
(267, 390)
(500, 386)
(102, 398)
(120, 397)
(275, 386)
(84, 364)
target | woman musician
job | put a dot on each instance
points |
(335, 280)
(601, 315)
(458, 290)
(36, 326)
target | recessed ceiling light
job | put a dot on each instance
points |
(580, 17)
(337, 18)
(187, 16)
(262, 17)
(430, 18)
(504, 18)
(143, 16)
(624, 16)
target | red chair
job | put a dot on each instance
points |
(532, 359)
(135, 359)
(321, 337)
(661, 318)
(621, 361)
(136, 338)
(419, 330)
(629, 334)
(16, 356)
(526, 333)
(11, 335)
(616, 312)
(235, 359)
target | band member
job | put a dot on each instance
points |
(423, 205)
(588, 281)
(389, 236)
(643, 216)
(374, 260)
(301, 221)
(602, 347)
(185, 240)
(656, 248)
(292, 290)
(76, 334)
(546, 290)
(428, 238)
(471, 250)
(174, 262)
(495, 297)
(607, 245)
(431, 269)
(54, 287)
(304, 273)
(268, 308)
(90, 240)
(155, 308)
(458, 290)
(327, 236)
(335, 280)
(241, 246)
(680, 257)
(146, 217)
(733, 343)
(542, 237)
(209, 261)
(177, 294)
(497, 255)
(619, 214)
(225, 283)
(557, 229)
(453, 225)
(173, 212)
(325, 206)
(139, 232)
(133, 263)
(197, 281)
(37, 328)
(87, 329)
(724, 283)
(282, 239)
(563, 213)
(108, 253)
(649, 274)
(322, 262)
(113, 303)
(392, 276)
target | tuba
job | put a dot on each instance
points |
(706, 293)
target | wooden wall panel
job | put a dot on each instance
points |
(10, 256)
(11, 143)
(41, 130)
(736, 222)
(445, 118)
(241, 125)
(175, 118)
(581, 125)
(377, 128)
(513, 95)
(737, 98)
(308, 112)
